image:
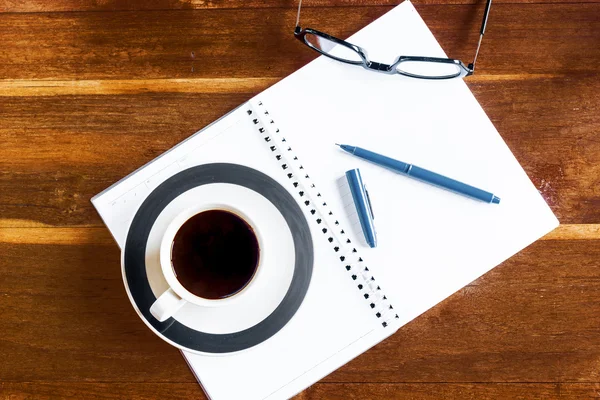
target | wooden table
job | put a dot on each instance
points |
(90, 90)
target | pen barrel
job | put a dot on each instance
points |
(449, 184)
(383, 161)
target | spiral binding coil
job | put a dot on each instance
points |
(311, 198)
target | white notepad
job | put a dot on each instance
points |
(430, 242)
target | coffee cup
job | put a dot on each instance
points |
(210, 256)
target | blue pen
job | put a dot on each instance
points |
(362, 202)
(422, 174)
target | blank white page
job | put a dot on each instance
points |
(431, 242)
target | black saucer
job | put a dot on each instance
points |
(135, 250)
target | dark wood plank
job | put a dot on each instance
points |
(71, 320)
(132, 5)
(533, 319)
(61, 133)
(436, 391)
(126, 45)
(59, 151)
(108, 391)
(551, 125)
(319, 391)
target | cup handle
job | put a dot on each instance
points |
(166, 305)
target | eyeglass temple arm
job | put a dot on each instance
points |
(298, 16)
(486, 13)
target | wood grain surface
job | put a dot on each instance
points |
(92, 89)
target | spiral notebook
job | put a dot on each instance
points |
(344, 298)
(430, 242)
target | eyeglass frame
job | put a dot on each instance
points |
(391, 69)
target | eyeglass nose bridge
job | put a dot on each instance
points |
(384, 68)
(380, 67)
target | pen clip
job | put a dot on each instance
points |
(369, 202)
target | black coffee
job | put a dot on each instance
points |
(215, 254)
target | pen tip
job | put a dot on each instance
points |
(337, 144)
(496, 200)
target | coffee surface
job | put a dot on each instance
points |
(215, 254)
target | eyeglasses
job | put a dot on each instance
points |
(412, 66)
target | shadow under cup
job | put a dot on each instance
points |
(215, 254)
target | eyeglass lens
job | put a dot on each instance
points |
(332, 48)
(428, 69)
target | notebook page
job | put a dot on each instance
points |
(332, 316)
(430, 242)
